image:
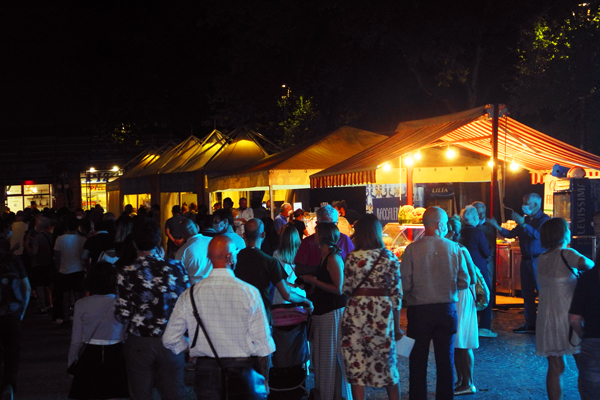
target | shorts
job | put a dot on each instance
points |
(42, 275)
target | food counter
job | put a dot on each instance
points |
(508, 267)
(397, 236)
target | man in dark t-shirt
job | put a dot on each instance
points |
(261, 270)
(584, 317)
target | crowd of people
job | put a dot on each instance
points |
(136, 307)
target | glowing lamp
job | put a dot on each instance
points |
(418, 155)
(92, 169)
(491, 163)
(386, 167)
(514, 166)
(450, 153)
(409, 161)
(115, 168)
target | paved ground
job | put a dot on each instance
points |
(505, 367)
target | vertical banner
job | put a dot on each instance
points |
(582, 207)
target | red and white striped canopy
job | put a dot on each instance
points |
(471, 130)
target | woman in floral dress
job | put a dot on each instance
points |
(371, 322)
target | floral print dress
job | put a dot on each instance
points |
(368, 343)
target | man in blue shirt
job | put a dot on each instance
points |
(282, 219)
(528, 232)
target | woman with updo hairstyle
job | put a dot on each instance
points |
(372, 280)
(100, 370)
(329, 302)
(556, 276)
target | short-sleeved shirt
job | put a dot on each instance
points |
(585, 303)
(147, 292)
(70, 246)
(173, 224)
(259, 270)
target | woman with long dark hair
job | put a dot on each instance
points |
(329, 303)
(288, 247)
(372, 280)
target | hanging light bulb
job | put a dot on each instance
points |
(491, 163)
(418, 155)
(450, 153)
(386, 167)
(409, 161)
(514, 166)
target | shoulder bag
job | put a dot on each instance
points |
(481, 292)
(368, 273)
(237, 382)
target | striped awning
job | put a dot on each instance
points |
(471, 130)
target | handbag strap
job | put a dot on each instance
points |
(368, 273)
(201, 325)
(567, 264)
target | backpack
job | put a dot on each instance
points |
(11, 298)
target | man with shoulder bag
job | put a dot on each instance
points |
(228, 328)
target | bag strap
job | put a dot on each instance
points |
(368, 273)
(201, 325)
(567, 264)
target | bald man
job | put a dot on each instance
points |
(528, 232)
(234, 317)
(261, 270)
(433, 269)
(193, 253)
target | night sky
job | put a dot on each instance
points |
(164, 66)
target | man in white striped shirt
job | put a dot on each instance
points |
(233, 314)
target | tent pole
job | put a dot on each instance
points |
(494, 180)
(272, 202)
(400, 180)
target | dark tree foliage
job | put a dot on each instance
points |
(558, 81)
(125, 69)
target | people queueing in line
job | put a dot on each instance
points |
(372, 283)
(41, 248)
(234, 318)
(528, 232)
(433, 270)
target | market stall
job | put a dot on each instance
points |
(502, 143)
(291, 168)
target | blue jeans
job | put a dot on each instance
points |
(589, 369)
(149, 362)
(528, 288)
(437, 322)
